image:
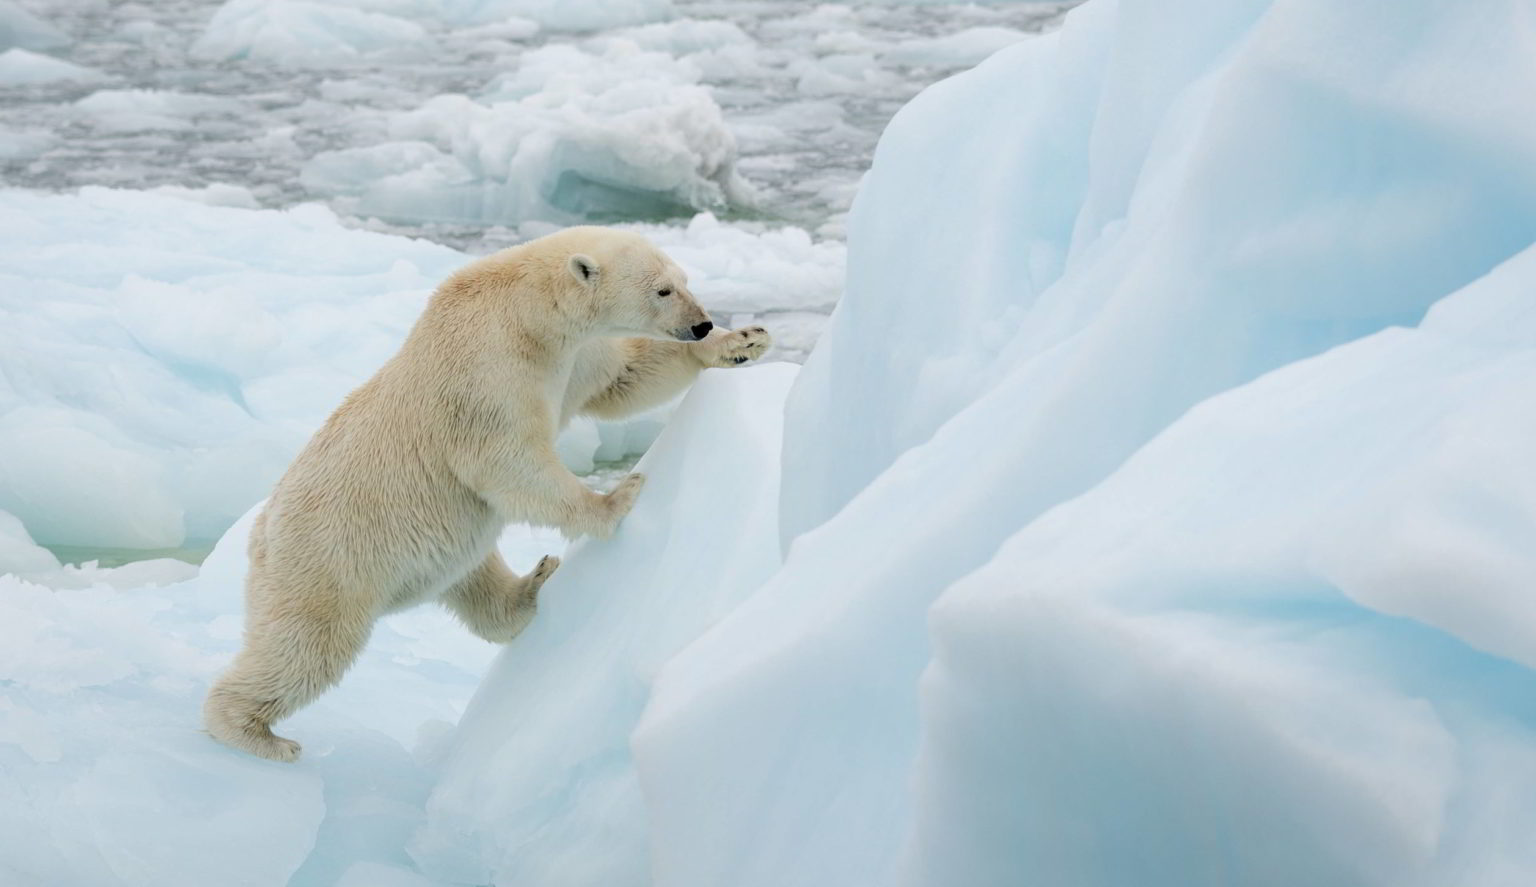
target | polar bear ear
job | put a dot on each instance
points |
(583, 268)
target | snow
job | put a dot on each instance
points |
(18, 67)
(183, 345)
(108, 778)
(193, 343)
(103, 683)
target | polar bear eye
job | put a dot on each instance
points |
(665, 292)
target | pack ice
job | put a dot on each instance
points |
(572, 134)
(598, 131)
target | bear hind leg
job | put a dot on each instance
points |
(496, 603)
(286, 663)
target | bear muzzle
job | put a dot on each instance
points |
(693, 333)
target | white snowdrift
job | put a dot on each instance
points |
(1220, 626)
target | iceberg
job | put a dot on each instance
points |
(19, 555)
(20, 29)
(299, 31)
(572, 135)
(1303, 613)
(18, 67)
(1151, 511)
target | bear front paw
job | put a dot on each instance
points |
(740, 346)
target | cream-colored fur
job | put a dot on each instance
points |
(399, 497)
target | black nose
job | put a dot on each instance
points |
(701, 330)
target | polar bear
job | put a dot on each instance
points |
(399, 497)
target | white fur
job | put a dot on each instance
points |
(399, 497)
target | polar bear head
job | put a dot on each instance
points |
(634, 288)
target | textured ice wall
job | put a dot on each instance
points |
(1226, 660)
(1055, 256)
(537, 785)
(1291, 641)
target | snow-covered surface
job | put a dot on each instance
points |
(161, 360)
(107, 778)
(164, 355)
